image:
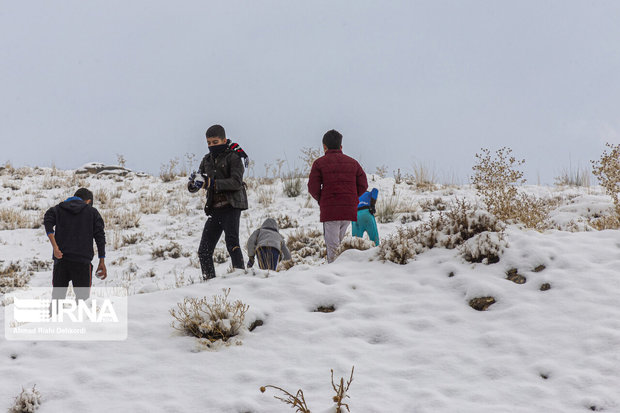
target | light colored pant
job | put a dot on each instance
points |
(334, 232)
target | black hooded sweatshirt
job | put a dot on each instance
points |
(77, 224)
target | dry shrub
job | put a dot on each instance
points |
(485, 247)
(354, 243)
(387, 208)
(31, 204)
(381, 171)
(172, 250)
(308, 156)
(13, 276)
(217, 319)
(292, 184)
(220, 256)
(132, 239)
(285, 222)
(151, 203)
(573, 177)
(102, 198)
(410, 217)
(177, 206)
(120, 218)
(298, 400)
(266, 195)
(15, 219)
(448, 229)
(423, 178)
(496, 180)
(28, 401)
(607, 171)
(168, 172)
(52, 182)
(435, 204)
(604, 222)
(304, 243)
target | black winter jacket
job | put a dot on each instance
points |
(76, 225)
(227, 171)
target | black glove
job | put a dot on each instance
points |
(251, 262)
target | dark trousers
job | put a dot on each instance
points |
(80, 274)
(224, 220)
(267, 258)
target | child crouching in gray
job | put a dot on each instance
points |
(268, 245)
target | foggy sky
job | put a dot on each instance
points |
(405, 82)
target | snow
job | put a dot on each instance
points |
(416, 344)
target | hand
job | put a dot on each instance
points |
(198, 185)
(104, 271)
(251, 262)
(57, 253)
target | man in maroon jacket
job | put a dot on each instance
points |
(336, 181)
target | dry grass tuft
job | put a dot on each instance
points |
(28, 401)
(298, 401)
(151, 203)
(210, 320)
(13, 276)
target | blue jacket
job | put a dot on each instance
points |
(368, 199)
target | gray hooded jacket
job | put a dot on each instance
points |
(268, 236)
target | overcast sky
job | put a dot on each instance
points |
(405, 82)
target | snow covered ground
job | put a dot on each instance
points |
(416, 344)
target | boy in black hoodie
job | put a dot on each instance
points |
(71, 227)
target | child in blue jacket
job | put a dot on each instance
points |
(366, 216)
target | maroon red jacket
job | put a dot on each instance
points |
(337, 181)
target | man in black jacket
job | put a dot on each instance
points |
(71, 227)
(221, 174)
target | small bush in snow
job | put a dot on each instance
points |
(448, 229)
(172, 250)
(381, 171)
(573, 177)
(28, 401)
(308, 156)
(354, 243)
(298, 400)
(485, 247)
(285, 221)
(14, 219)
(292, 184)
(151, 203)
(397, 247)
(121, 218)
(220, 256)
(308, 243)
(496, 180)
(266, 195)
(131, 239)
(387, 208)
(13, 276)
(424, 178)
(168, 172)
(431, 205)
(217, 319)
(607, 171)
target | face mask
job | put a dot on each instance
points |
(217, 149)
